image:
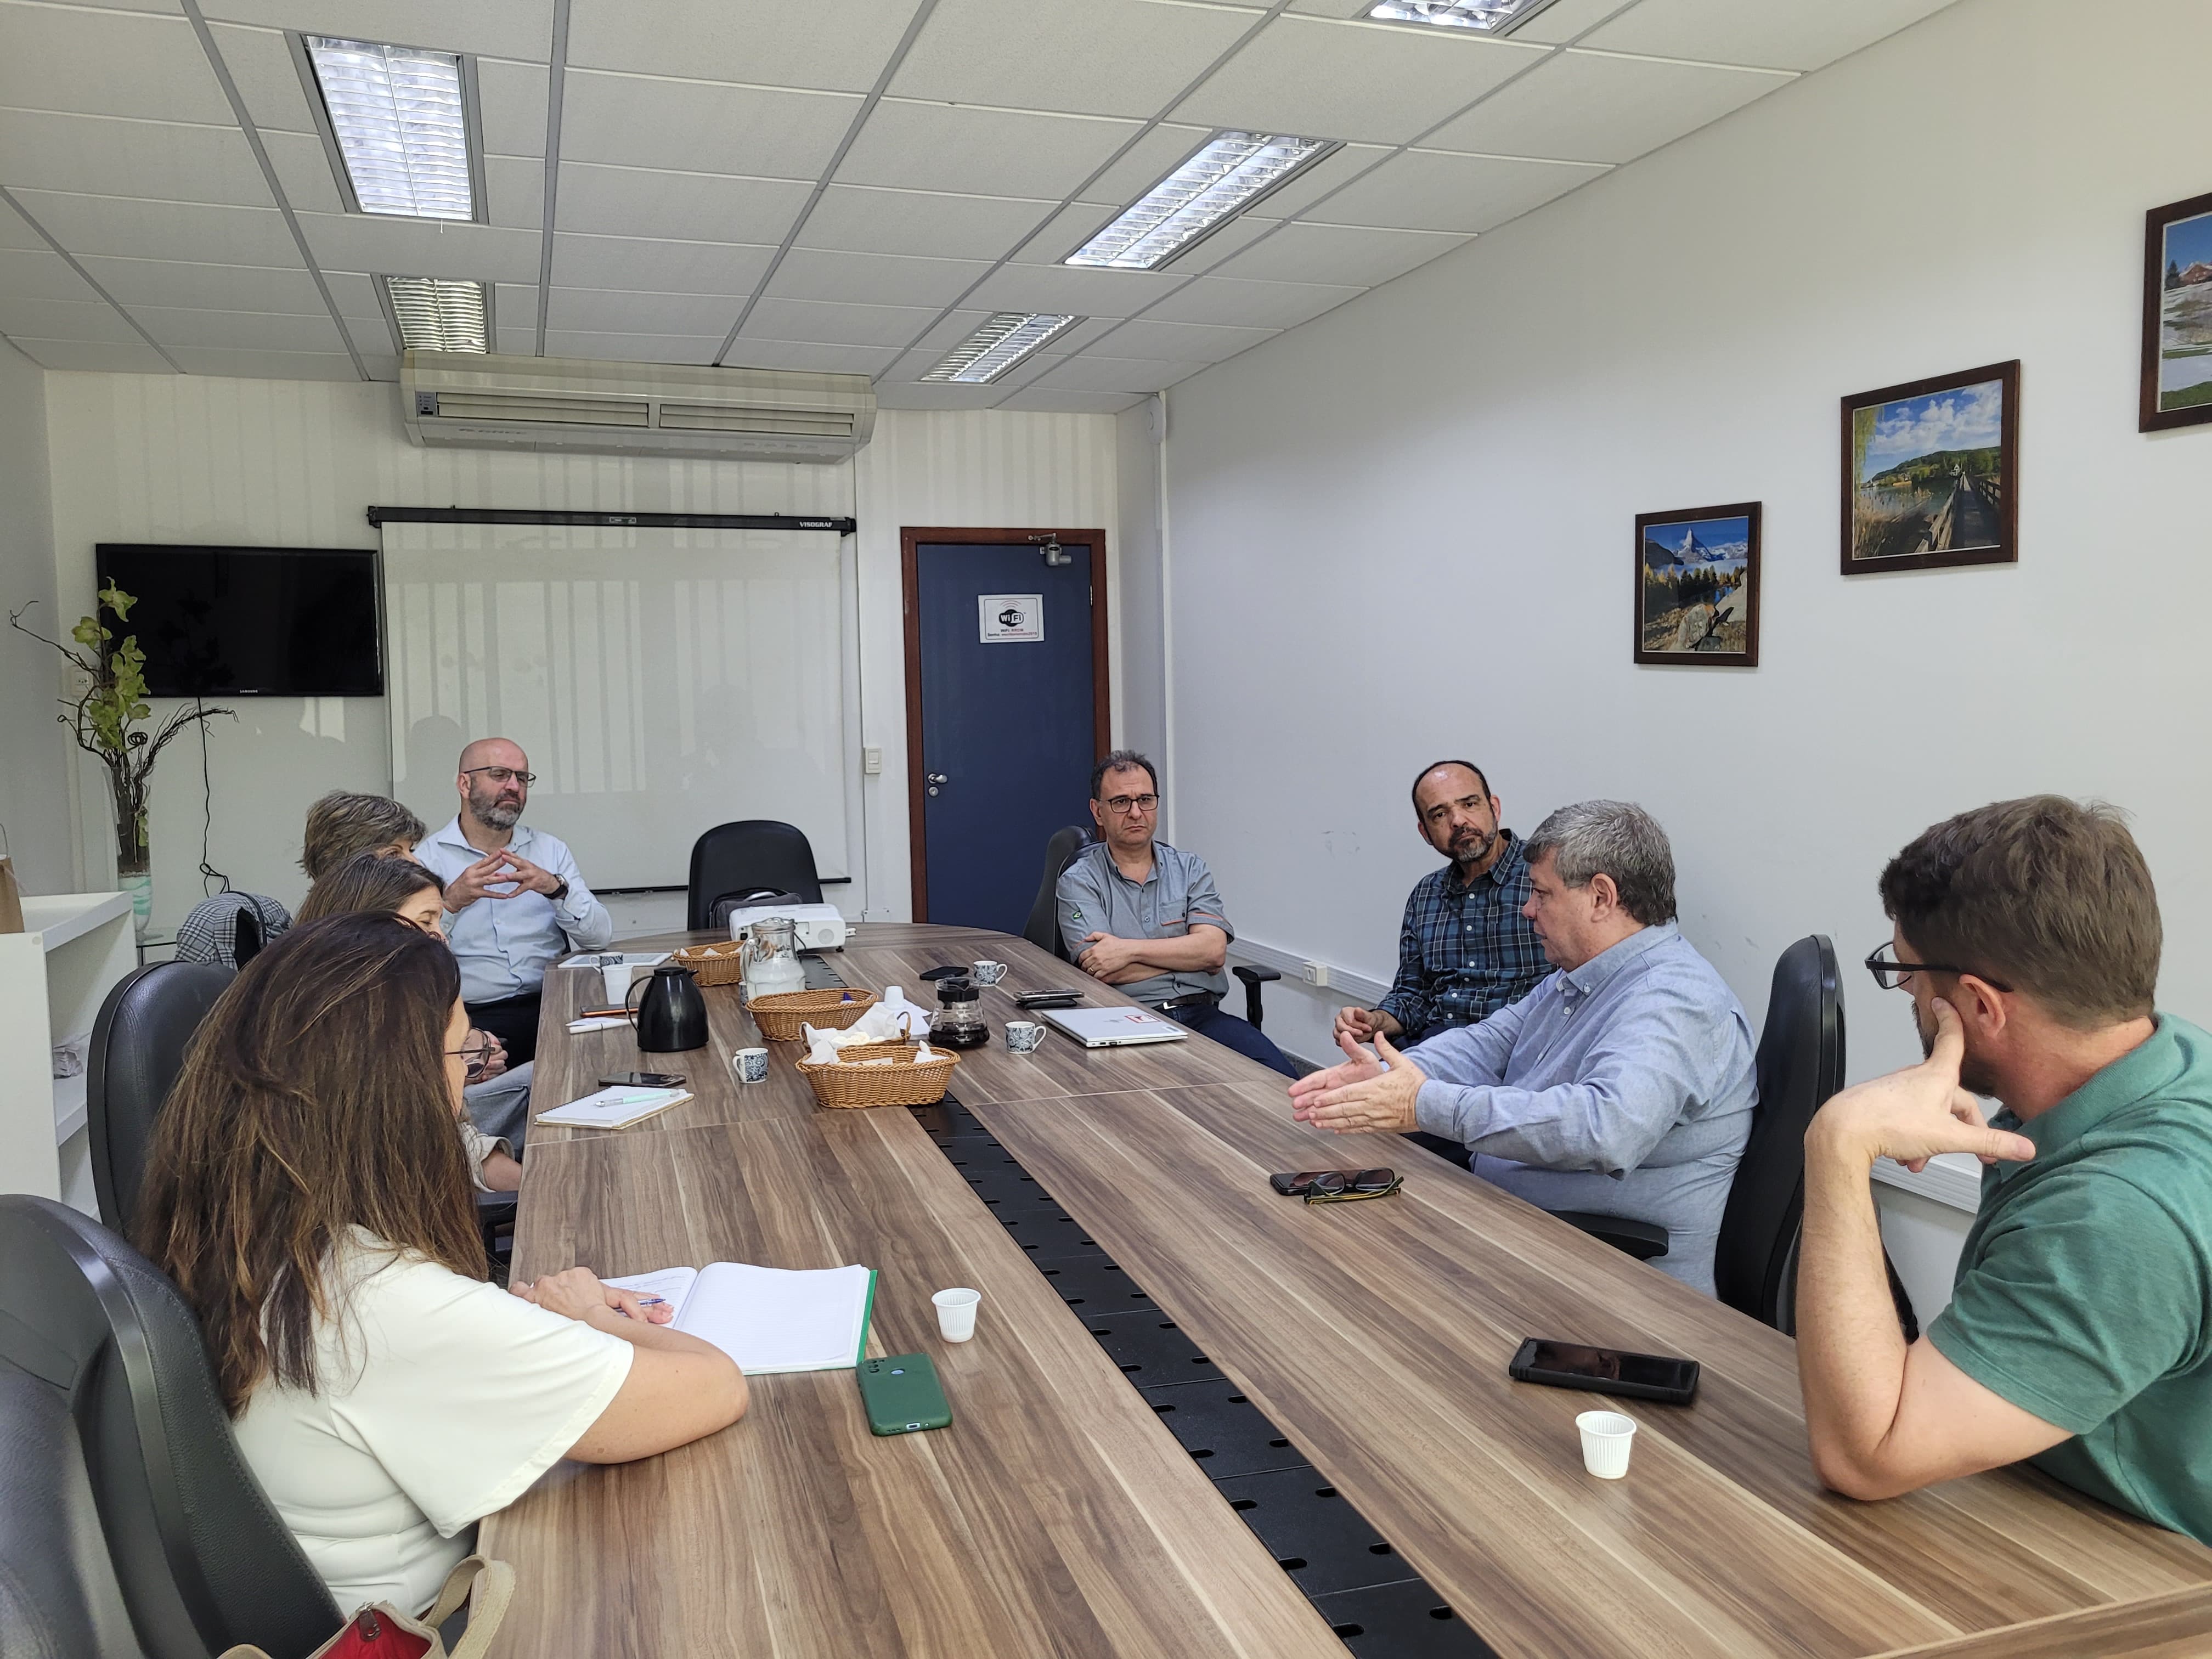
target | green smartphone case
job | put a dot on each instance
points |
(901, 1394)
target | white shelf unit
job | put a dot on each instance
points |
(54, 977)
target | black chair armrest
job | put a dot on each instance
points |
(1253, 978)
(494, 1214)
(1641, 1239)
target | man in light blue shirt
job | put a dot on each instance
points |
(1621, 1085)
(514, 899)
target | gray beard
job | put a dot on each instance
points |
(1476, 855)
(497, 815)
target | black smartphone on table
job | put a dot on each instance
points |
(642, 1080)
(1605, 1370)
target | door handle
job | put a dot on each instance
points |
(936, 777)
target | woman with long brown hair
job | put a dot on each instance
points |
(306, 1190)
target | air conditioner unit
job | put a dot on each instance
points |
(472, 400)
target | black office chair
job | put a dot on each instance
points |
(200, 1558)
(752, 860)
(139, 1046)
(1042, 929)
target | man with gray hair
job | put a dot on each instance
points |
(1620, 1086)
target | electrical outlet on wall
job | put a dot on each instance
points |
(871, 762)
(1316, 973)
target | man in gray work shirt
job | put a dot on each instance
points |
(1622, 1085)
(1144, 916)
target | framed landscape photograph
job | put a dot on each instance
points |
(2177, 349)
(1697, 586)
(1931, 472)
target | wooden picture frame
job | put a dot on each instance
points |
(1931, 472)
(2177, 322)
(1697, 586)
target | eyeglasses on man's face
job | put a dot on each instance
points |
(1125, 805)
(1889, 973)
(501, 775)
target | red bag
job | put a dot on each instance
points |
(382, 1632)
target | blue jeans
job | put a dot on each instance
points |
(1245, 1038)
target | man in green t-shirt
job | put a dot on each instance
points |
(2077, 1334)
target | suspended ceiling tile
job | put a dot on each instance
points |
(700, 207)
(1062, 401)
(268, 80)
(371, 335)
(381, 367)
(515, 305)
(1069, 229)
(837, 325)
(1226, 243)
(1123, 375)
(995, 152)
(601, 311)
(510, 99)
(810, 356)
(700, 126)
(925, 223)
(1085, 335)
(16, 233)
(1593, 106)
(895, 394)
(1068, 289)
(243, 365)
(355, 294)
(1099, 57)
(174, 282)
(90, 319)
(662, 265)
(1250, 304)
(1338, 253)
(1323, 179)
(162, 230)
(136, 358)
(506, 28)
(38, 274)
(874, 278)
(1372, 82)
(421, 247)
(519, 339)
(1154, 156)
(1800, 37)
(944, 334)
(1195, 342)
(303, 168)
(514, 191)
(1430, 190)
(242, 329)
(106, 62)
(698, 349)
(102, 156)
(168, 7)
(762, 42)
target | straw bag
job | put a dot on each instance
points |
(384, 1632)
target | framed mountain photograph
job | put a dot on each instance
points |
(1697, 586)
(1931, 472)
(2177, 347)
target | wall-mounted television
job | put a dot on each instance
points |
(235, 622)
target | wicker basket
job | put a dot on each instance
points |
(780, 1016)
(909, 1082)
(711, 964)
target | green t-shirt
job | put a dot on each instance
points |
(2084, 1293)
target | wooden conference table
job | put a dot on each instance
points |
(1058, 1516)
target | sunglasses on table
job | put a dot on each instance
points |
(1338, 1186)
(1889, 973)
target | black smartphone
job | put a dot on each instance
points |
(642, 1080)
(902, 1396)
(1605, 1370)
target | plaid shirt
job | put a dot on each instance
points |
(1465, 952)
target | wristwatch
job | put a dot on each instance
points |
(560, 892)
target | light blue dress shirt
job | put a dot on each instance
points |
(1624, 1087)
(505, 945)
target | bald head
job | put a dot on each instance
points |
(495, 751)
(494, 782)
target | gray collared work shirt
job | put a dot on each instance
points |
(1096, 897)
(1624, 1087)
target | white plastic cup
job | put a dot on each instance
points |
(1607, 1436)
(1023, 1036)
(956, 1313)
(750, 1064)
(616, 976)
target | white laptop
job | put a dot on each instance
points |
(1114, 1028)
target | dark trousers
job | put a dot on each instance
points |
(1231, 1032)
(1450, 1150)
(514, 1021)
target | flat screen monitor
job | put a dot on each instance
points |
(279, 622)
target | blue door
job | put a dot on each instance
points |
(1010, 719)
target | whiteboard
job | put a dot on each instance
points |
(661, 680)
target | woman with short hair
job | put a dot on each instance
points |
(342, 825)
(306, 1193)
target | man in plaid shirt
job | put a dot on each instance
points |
(1465, 950)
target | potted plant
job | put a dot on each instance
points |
(104, 720)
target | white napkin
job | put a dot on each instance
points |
(894, 1018)
(925, 1052)
(821, 1046)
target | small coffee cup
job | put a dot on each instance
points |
(1024, 1037)
(987, 973)
(1607, 1438)
(616, 977)
(956, 1313)
(750, 1064)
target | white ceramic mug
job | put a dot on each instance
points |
(1024, 1037)
(750, 1064)
(987, 973)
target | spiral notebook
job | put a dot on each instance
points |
(769, 1319)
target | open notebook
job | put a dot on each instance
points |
(769, 1319)
(615, 1108)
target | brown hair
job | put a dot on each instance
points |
(342, 825)
(374, 882)
(2048, 895)
(313, 1100)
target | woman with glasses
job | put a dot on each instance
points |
(305, 1192)
(497, 1099)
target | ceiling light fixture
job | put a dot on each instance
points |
(1229, 172)
(399, 118)
(997, 346)
(431, 313)
(1487, 16)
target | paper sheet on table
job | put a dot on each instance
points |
(769, 1319)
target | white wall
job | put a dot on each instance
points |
(33, 753)
(187, 458)
(1412, 517)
